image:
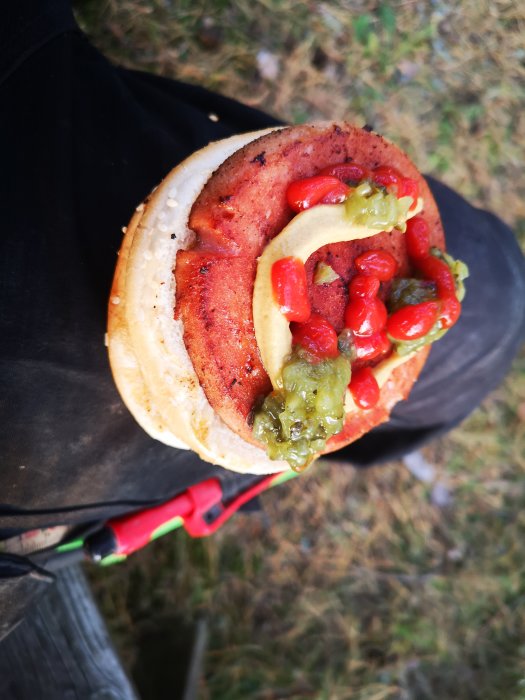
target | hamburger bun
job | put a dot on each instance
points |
(161, 373)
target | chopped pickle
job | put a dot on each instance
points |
(370, 206)
(408, 290)
(324, 274)
(296, 421)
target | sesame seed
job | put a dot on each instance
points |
(115, 300)
(106, 340)
(172, 203)
(124, 229)
(140, 207)
(213, 117)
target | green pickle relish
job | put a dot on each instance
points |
(369, 206)
(295, 421)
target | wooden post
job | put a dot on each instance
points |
(62, 650)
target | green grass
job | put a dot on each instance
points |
(353, 585)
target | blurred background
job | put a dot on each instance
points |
(390, 582)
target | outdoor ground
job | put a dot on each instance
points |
(362, 585)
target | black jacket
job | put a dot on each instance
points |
(82, 143)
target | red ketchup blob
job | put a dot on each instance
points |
(450, 311)
(366, 286)
(316, 336)
(386, 176)
(364, 388)
(408, 188)
(439, 272)
(365, 316)
(290, 288)
(379, 263)
(320, 189)
(368, 347)
(417, 238)
(413, 321)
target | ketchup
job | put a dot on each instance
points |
(290, 288)
(316, 336)
(333, 185)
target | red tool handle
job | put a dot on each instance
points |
(134, 531)
(200, 507)
(197, 525)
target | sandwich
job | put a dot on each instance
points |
(277, 294)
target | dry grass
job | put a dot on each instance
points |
(438, 78)
(354, 584)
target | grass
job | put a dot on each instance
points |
(352, 584)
